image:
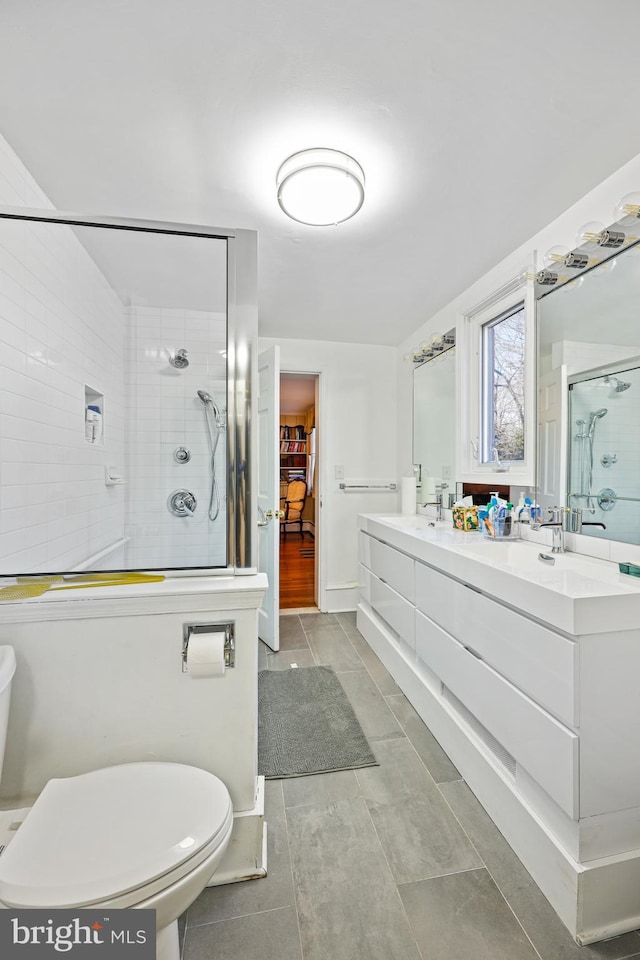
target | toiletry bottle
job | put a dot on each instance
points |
(96, 422)
(89, 425)
(508, 520)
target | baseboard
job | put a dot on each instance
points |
(340, 597)
(246, 856)
(595, 900)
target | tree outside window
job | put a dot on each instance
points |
(503, 365)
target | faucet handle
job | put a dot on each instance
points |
(557, 514)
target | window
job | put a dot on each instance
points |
(497, 384)
(503, 387)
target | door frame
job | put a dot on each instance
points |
(319, 519)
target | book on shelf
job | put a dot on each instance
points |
(293, 446)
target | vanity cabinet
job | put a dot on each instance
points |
(473, 645)
(541, 663)
(537, 719)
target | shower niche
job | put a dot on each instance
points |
(133, 316)
(93, 416)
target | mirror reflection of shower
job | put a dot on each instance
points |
(214, 419)
(619, 386)
(585, 437)
(595, 448)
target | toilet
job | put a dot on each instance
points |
(146, 835)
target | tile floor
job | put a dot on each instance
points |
(396, 862)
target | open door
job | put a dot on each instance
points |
(269, 493)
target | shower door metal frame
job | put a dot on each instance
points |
(242, 332)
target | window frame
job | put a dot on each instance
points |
(516, 293)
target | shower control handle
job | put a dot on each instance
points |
(182, 503)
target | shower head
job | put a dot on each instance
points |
(179, 359)
(205, 397)
(618, 385)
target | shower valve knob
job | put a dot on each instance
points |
(182, 503)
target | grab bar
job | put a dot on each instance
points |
(368, 486)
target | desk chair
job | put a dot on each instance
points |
(293, 505)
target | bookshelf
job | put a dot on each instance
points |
(293, 452)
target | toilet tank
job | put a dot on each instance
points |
(7, 670)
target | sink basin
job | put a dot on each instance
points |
(524, 556)
(407, 521)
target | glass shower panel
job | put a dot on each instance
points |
(113, 393)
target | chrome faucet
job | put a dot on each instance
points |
(557, 525)
(575, 523)
(438, 502)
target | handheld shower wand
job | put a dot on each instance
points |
(215, 423)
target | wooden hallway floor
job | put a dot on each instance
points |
(297, 571)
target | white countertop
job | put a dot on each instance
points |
(577, 594)
(164, 596)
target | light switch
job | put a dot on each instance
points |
(339, 471)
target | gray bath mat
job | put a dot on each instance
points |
(306, 725)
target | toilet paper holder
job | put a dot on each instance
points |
(218, 626)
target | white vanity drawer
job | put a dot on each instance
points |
(538, 661)
(389, 565)
(537, 741)
(394, 609)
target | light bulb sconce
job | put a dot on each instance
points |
(609, 238)
(432, 349)
(595, 244)
(573, 260)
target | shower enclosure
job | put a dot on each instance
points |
(125, 379)
(604, 458)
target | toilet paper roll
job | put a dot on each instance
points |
(205, 654)
(408, 495)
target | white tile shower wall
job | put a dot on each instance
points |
(61, 328)
(166, 414)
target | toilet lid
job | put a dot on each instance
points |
(92, 837)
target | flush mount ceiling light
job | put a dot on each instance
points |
(320, 187)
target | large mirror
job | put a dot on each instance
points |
(113, 392)
(589, 398)
(434, 427)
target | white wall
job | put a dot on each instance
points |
(165, 413)
(356, 428)
(61, 329)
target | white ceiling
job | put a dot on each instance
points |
(297, 392)
(476, 123)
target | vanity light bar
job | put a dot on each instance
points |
(429, 351)
(568, 265)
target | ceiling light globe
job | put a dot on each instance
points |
(586, 236)
(320, 187)
(627, 210)
(555, 255)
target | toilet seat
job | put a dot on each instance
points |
(115, 836)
